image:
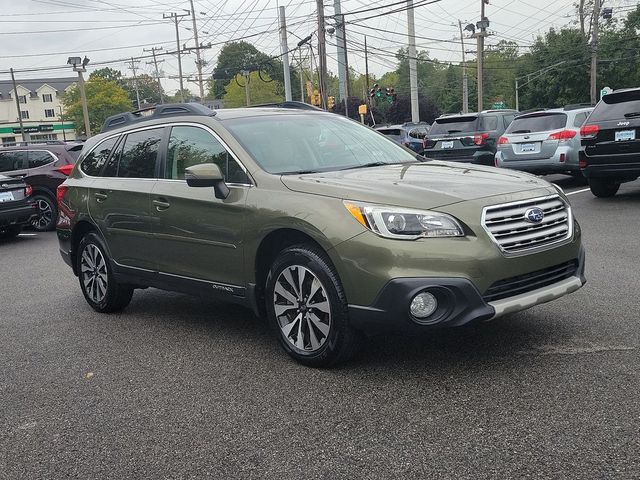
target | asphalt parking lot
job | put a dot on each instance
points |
(177, 388)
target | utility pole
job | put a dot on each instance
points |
(133, 65)
(64, 133)
(285, 55)
(322, 54)
(85, 109)
(413, 64)
(482, 25)
(247, 79)
(176, 19)
(155, 62)
(25, 136)
(342, 68)
(301, 76)
(199, 61)
(366, 64)
(465, 80)
(594, 51)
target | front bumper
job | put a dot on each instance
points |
(479, 157)
(459, 302)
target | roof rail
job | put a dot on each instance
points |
(154, 112)
(575, 106)
(293, 104)
(33, 142)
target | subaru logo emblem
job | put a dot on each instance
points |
(534, 215)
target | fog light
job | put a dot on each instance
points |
(423, 305)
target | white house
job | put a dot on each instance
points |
(40, 109)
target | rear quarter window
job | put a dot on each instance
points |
(580, 118)
(10, 161)
(39, 158)
(95, 160)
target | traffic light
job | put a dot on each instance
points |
(391, 94)
(376, 91)
(331, 101)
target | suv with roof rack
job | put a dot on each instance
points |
(467, 137)
(543, 141)
(610, 152)
(43, 166)
(326, 239)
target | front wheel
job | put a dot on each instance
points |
(97, 282)
(603, 189)
(307, 307)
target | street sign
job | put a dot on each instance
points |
(362, 109)
(498, 106)
(605, 91)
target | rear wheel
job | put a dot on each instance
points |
(97, 282)
(47, 213)
(307, 307)
(603, 188)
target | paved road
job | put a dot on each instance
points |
(177, 388)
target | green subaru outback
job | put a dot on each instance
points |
(322, 225)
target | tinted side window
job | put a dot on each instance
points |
(508, 119)
(190, 146)
(93, 162)
(39, 158)
(10, 161)
(489, 123)
(140, 154)
(580, 118)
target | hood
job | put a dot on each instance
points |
(419, 185)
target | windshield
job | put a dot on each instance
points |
(538, 123)
(313, 142)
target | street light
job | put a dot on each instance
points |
(80, 65)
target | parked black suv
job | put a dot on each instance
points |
(43, 166)
(610, 153)
(17, 208)
(468, 137)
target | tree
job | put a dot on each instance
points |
(262, 90)
(233, 58)
(107, 73)
(148, 89)
(104, 98)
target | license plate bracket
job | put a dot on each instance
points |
(6, 197)
(528, 147)
(625, 135)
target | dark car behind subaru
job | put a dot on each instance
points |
(43, 166)
(468, 137)
(610, 153)
(17, 208)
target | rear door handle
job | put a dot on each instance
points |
(161, 204)
(100, 196)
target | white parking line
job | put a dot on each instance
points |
(578, 191)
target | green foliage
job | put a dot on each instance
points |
(104, 98)
(259, 91)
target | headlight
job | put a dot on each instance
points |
(404, 223)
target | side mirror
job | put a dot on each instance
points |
(207, 175)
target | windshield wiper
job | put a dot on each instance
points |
(299, 172)
(370, 164)
(632, 114)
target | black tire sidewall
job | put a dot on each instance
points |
(54, 211)
(602, 188)
(322, 268)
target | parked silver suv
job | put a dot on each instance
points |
(542, 142)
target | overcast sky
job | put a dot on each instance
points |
(43, 33)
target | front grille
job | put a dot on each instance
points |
(530, 281)
(508, 226)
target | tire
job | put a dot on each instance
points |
(11, 231)
(47, 213)
(603, 189)
(315, 332)
(97, 282)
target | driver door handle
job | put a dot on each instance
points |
(161, 204)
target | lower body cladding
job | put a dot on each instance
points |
(415, 304)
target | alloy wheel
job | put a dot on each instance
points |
(302, 308)
(45, 215)
(93, 270)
